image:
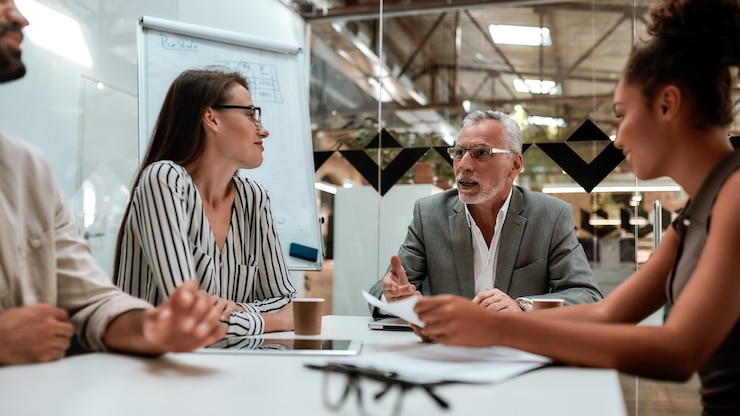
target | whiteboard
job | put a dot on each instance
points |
(277, 80)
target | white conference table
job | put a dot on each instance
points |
(248, 384)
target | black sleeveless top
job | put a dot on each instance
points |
(720, 374)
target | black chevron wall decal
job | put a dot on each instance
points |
(365, 165)
(588, 175)
(320, 157)
(398, 167)
(588, 132)
(384, 140)
(388, 176)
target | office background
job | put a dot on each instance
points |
(389, 83)
(388, 89)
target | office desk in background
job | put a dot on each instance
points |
(235, 384)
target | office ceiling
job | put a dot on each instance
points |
(434, 56)
(438, 54)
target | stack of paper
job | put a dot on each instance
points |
(425, 363)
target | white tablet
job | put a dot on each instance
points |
(296, 346)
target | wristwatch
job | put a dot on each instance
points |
(524, 303)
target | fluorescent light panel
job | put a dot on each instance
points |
(56, 32)
(616, 189)
(546, 121)
(604, 221)
(321, 186)
(537, 86)
(640, 222)
(607, 221)
(520, 35)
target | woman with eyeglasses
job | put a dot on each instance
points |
(191, 217)
(675, 106)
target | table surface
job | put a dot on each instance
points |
(224, 384)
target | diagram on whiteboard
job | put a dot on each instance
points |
(263, 81)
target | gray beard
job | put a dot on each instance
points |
(482, 196)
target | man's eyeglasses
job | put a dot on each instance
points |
(254, 113)
(479, 153)
(379, 393)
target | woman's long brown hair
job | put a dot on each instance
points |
(178, 133)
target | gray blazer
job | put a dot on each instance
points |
(539, 254)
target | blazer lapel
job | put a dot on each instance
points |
(511, 239)
(462, 250)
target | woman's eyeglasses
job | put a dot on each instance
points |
(479, 153)
(254, 113)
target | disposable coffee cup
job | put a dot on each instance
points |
(546, 303)
(307, 315)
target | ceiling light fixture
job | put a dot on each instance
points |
(546, 121)
(567, 189)
(537, 86)
(325, 187)
(466, 104)
(520, 35)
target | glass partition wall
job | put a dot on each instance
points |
(390, 83)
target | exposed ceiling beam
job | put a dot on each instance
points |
(493, 44)
(497, 103)
(561, 77)
(525, 74)
(366, 12)
(392, 10)
(422, 44)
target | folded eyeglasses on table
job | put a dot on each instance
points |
(378, 392)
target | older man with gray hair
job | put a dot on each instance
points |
(487, 239)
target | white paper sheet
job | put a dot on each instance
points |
(435, 362)
(402, 308)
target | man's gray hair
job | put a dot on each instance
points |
(512, 131)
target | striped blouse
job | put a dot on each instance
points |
(167, 239)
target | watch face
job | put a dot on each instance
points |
(525, 303)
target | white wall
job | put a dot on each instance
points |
(45, 107)
(368, 230)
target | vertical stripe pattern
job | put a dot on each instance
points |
(167, 239)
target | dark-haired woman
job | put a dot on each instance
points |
(675, 106)
(191, 217)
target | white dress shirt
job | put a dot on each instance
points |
(485, 258)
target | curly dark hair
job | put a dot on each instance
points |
(694, 45)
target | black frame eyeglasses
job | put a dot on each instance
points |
(388, 389)
(256, 116)
(479, 153)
